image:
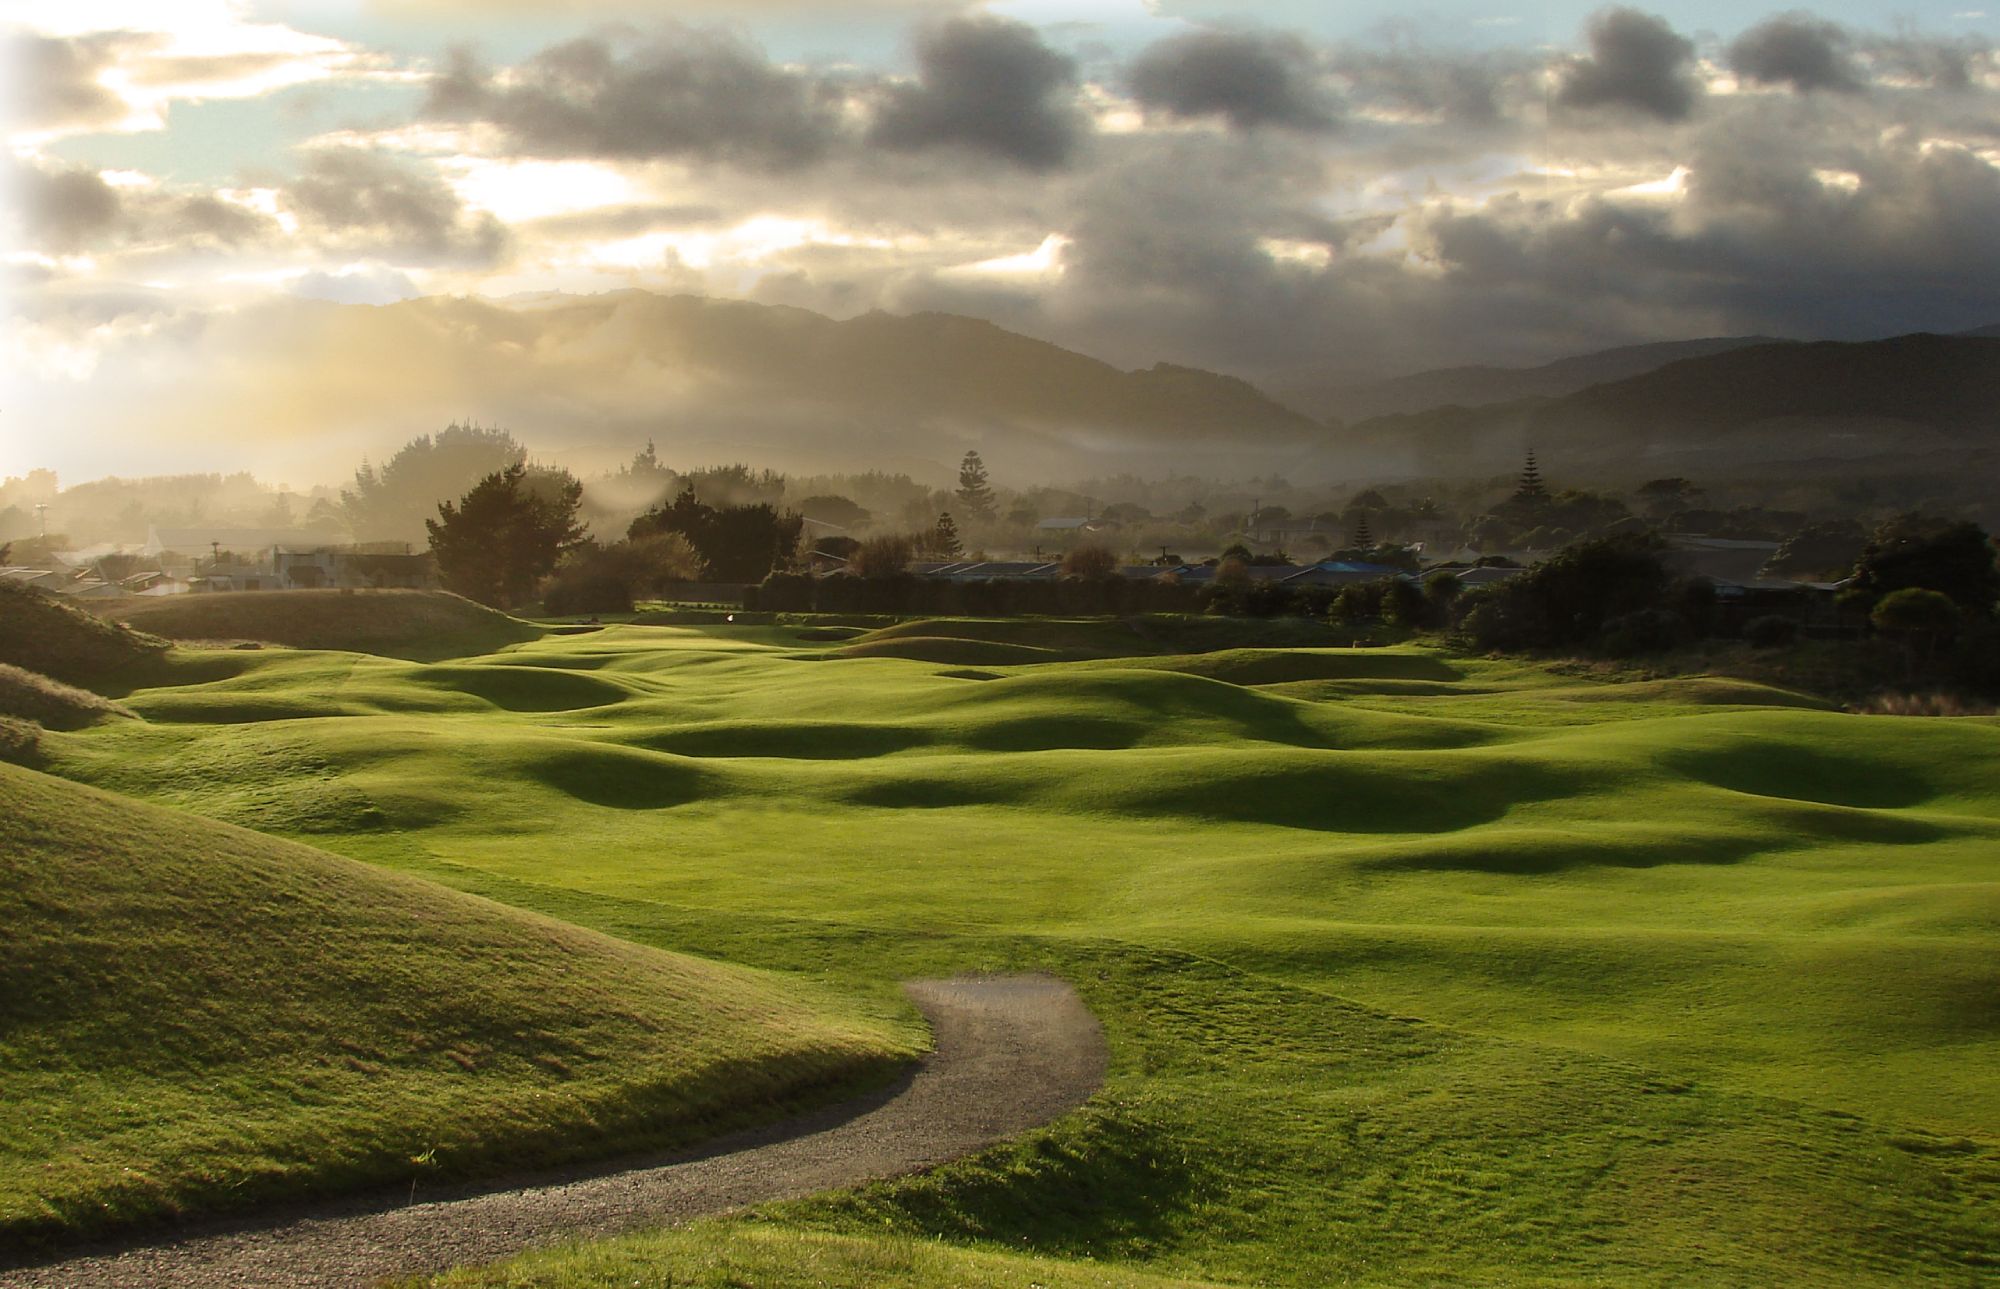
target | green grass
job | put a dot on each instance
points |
(714, 1255)
(1417, 968)
(194, 1017)
(400, 624)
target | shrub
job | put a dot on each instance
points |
(1571, 598)
(1772, 631)
(1643, 631)
(1089, 561)
(885, 556)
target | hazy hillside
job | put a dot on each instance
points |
(1477, 386)
(588, 379)
(1903, 401)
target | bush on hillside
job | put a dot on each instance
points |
(48, 635)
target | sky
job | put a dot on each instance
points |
(1299, 192)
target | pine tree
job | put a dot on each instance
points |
(944, 541)
(1531, 488)
(506, 535)
(973, 493)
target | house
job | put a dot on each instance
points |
(352, 568)
(1720, 559)
(188, 544)
(44, 579)
(91, 588)
(1481, 575)
(1077, 526)
(1340, 572)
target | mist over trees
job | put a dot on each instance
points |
(395, 502)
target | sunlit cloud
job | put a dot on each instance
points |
(1044, 261)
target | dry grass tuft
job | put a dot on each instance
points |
(1934, 704)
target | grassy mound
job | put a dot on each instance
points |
(195, 1017)
(713, 1255)
(399, 624)
(53, 637)
(27, 696)
(1120, 637)
(951, 650)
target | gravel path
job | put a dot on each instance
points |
(1013, 1052)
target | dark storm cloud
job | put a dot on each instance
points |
(364, 201)
(1463, 89)
(1946, 64)
(1798, 50)
(988, 86)
(686, 93)
(65, 210)
(1246, 78)
(1637, 63)
(56, 79)
(1758, 243)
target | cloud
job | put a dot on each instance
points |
(1940, 63)
(56, 85)
(689, 92)
(354, 198)
(988, 86)
(1249, 79)
(1798, 50)
(1446, 87)
(1637, 63)
(359, 284)
(68, 209)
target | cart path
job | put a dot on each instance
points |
(1012, 1053)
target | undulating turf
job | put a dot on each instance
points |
(401, 624)
(193, 1016)
(1417, 968)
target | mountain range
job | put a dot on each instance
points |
(587, 380)
(1912, 402)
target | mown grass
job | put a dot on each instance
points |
(1417, 968)
(195, 1017)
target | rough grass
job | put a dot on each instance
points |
(1417, 968)
(714, 1255)
(27, 696)
(395, 623)
(52, 637)
(194, 1017)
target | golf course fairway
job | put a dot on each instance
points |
(1415, 967)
